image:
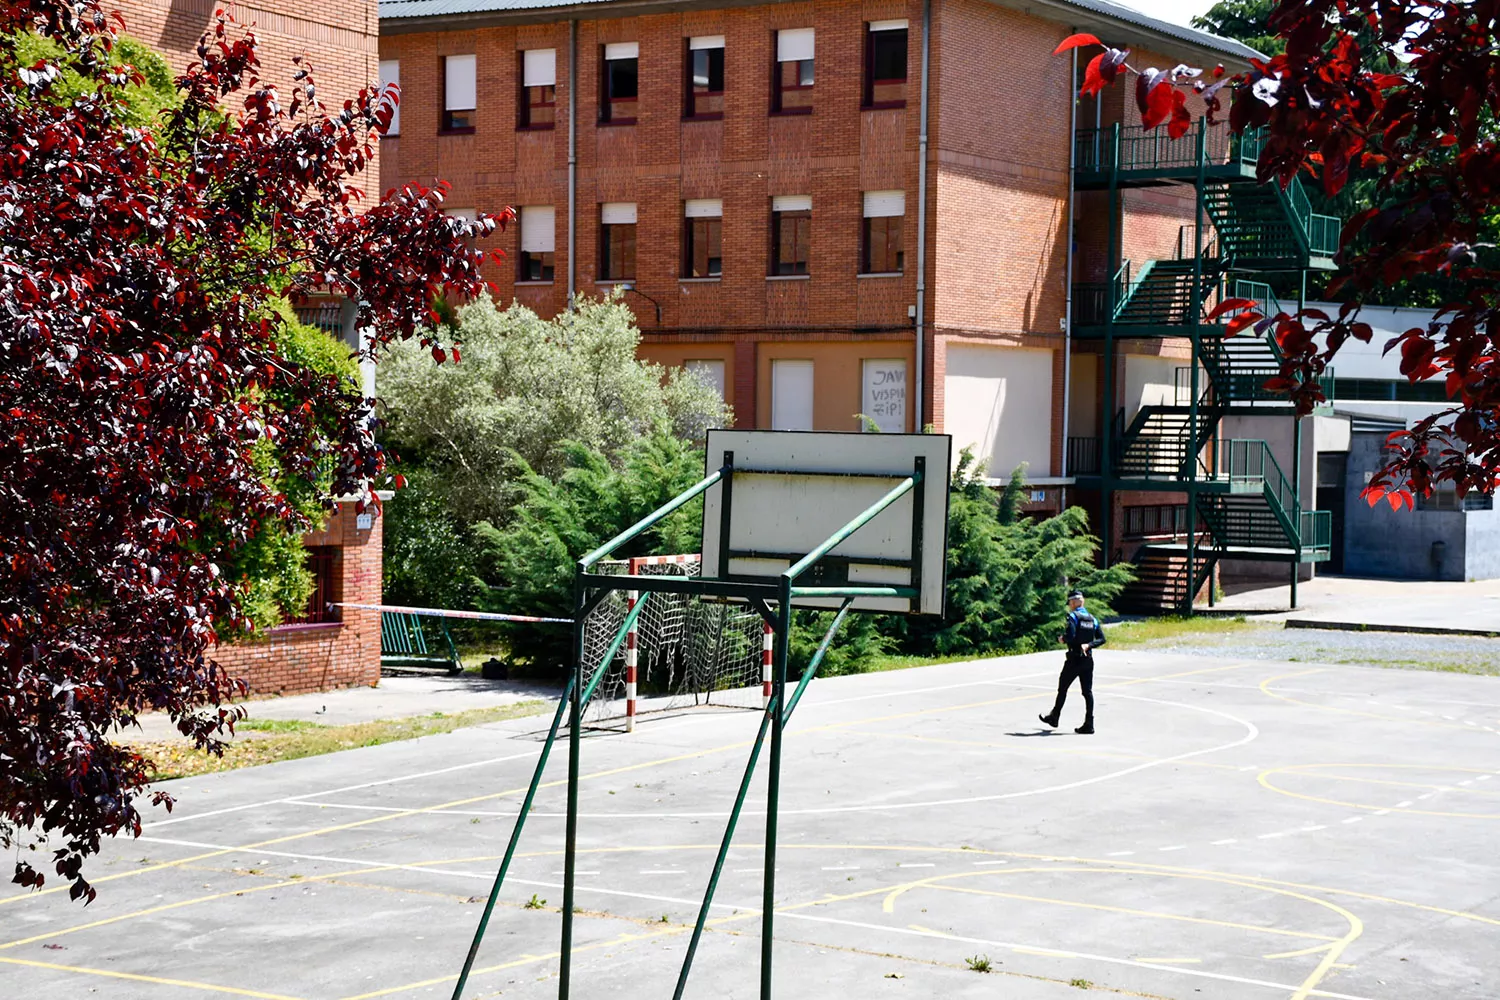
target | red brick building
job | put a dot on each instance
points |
(340, 38)
(894, 208)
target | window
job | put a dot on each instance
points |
(710, 371)
(538, 236)
(703, 231)
(885, 64)
(791, 395)
(792, 91)
(620, 83)
(617, 241)
(323, 563)
(458, 94)
(390, 76)
(705, 77)
(880, 241)
(538, 108)
(883, 398)
(791, 233)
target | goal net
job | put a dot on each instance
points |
(683, 651)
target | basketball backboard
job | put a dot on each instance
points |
(791, 490)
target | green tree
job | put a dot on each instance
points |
(1245, 21)
(525, 564)
(531, 388)
(1008, 575)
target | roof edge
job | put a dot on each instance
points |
(1106, 19)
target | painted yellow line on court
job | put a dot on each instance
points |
(1312, 950)
(1055, 901)
(1264, 778)
(154, 980)
(1335, 948)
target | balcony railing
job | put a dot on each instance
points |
(1084, 456)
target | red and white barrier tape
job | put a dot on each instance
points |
(484, 616)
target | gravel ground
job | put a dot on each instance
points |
(1463, 654)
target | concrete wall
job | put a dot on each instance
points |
(1482, 545)
(995, 395)
(1379, 541)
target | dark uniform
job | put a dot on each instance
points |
(1082, 628)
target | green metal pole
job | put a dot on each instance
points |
(1297, 464)
(515, 837)
(702, 486)
(773, 786)
(812, 666)
(1107, 442)
(1195, 309)
(773, 707)
(580, 700)
(833, 540)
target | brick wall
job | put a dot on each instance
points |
(294, 659)
(339, 37)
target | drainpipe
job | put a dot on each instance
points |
(1068, 278)
(572, 161)
(922, 216)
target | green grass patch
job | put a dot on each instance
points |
(277, 725)
(289, 740)
(1154, 630)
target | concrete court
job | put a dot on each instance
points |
(1235, 830)
(1472, 605)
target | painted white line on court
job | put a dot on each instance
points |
(1119, 854)
(923, 864)
(297, 799)
(1403, 805)
(1174, 847)
(662, 871)
(989, 864)
(840, 868)
(1271, 836)
(793, 915)
(1483, 777)
(576, 873)
(1226, 841)
(1381, 812)
(1311, 829)
(1352, 819)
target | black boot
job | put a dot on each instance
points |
(1087, 729)
(1050, 720)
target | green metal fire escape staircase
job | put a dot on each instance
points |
(1245, 504)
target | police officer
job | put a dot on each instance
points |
(1082, 636)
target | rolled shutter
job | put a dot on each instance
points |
(617, 213)
(792, 203)
(540, 68)
(794, 44)
(459, 93)
(538, 228)
(883, 204)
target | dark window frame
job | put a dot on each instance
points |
(778, 89)
(607, 232)
(445, 122)
(867, 99)
(802, 219)
(606, 99)
(325, 563)
(690, 94)
(690, 246)
(525, 99)
(867, 246)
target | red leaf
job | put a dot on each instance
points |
(1241, 321)
(1231, 305)
(1093, 80)
(1075, 41)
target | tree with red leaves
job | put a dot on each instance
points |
(147, 411)
(1407, 91)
